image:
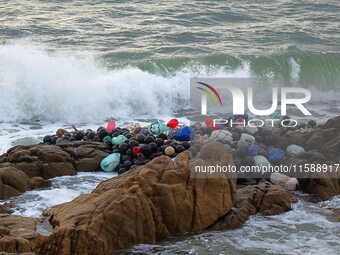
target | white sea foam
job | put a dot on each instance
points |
(64, 189)
(78, 87)
(304, 230)
(57, 86)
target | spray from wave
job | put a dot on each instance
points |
(78, 87)
(60, 87)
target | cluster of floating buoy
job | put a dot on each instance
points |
(135, 145)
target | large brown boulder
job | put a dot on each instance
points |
(264, 198)
(49, 161)
(332, 123)
(39, 183)
(87, 155)
(320, 138)
(17, 234)
(12, 182)
(146, 205)
(324, 185)
(332, 149)
(46, 161)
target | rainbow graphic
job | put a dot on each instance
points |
(208, 89)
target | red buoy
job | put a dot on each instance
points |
(173, 123)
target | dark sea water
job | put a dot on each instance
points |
(67, 61)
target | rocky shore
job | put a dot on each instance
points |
(155, 200)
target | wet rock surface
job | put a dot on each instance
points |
(17, 234)
(264, 198)
(49, 161)
(23, 168)
(12, 182)
(323, 185)
(146, 205)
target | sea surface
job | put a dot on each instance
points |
(83, 62)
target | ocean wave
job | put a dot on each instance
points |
(79, 87)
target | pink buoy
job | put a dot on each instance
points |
(111, 125)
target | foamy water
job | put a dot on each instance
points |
(78, 87)
(304, 230)
(63, 189)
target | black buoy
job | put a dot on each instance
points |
(123, 147)
(159, 142)
(179, 148)
(121, 170)
(102, 133)
(127, 164)
(186, 145)
(129, 152)
(115, 150)
(137, 162)
(163, 136)
(133, 143)
(312, 123)
(151, 156)
(126, 158)
(128, 136)
(47, 139)
(146, 150)
(54, 140)
(149, 139)
(153, 146)
(159, 153)
(65, 137)
(90, 135)
(174, 144)
(140, 138)
(79, 135)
